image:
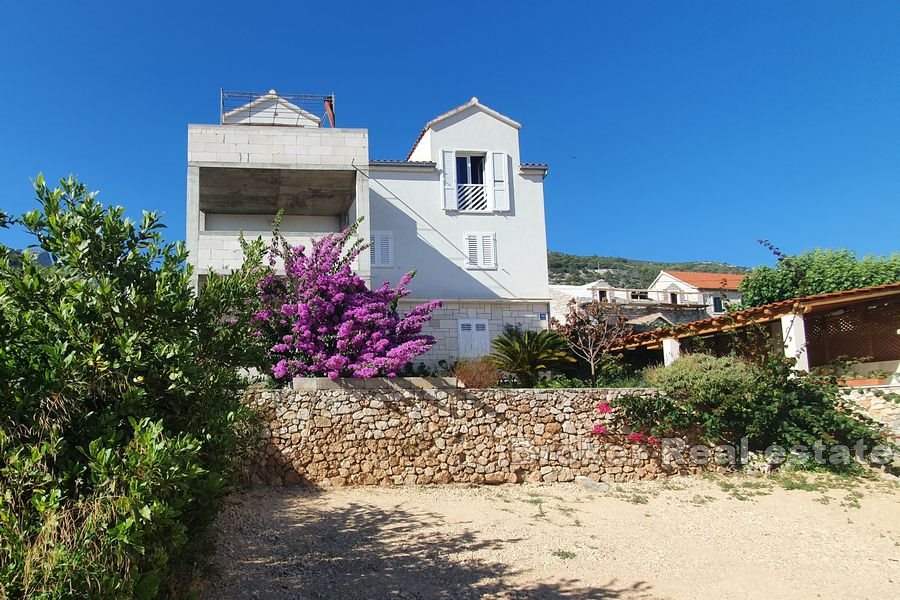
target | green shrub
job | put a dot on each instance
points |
(526, 353)
(722, 400)
(121, 422)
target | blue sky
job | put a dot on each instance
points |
(674, 130)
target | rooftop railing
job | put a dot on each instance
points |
(273, 108)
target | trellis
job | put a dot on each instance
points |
(866, 331)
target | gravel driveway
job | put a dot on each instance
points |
(686, 538)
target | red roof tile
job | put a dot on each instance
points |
(708, 281)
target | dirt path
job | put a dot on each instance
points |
(689, 538)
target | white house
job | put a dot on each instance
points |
(715, 291)
(462, 209)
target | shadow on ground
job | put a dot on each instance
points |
(289, 543)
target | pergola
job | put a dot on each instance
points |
(863, 323)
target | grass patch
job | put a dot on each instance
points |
(564, 554)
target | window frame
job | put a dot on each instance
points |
(481, 265)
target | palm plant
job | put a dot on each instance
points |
(525, 353)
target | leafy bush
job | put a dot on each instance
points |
(722, 400)
(321, 319)
(816, 272)
(121, 422)
(525, 353)
(477, 372)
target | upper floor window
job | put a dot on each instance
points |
(475, 182)
(640, 295)
(470, 169)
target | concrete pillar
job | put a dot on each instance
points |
(360, 208)
(793, 331)
(671, 348)
(193, 219)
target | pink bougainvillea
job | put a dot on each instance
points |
(604, 408)
(599, 429)
(321, 319)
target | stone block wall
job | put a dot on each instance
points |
(444, 323)
(879, 402)
(269, 146)
(392, 434)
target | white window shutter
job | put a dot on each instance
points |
(472, 250)
(381, 248)
(500, 181)
(448, 178)
(488, 250)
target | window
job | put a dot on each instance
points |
(381, 248)
(481, 250)
(673, 297)
(718, 305)
(601, 295)
(475, 181)
(640, 295)
(474, 339)
(470, 169)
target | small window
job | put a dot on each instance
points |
(640, 295)
(381, 248)
(718, 305)
(673, 297)
(481, 250)
(601, 295)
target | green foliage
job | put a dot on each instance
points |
(121, 420)
(816, 272)
(620, 272)
(525, 353)
(722, 400)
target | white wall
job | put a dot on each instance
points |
(431, 240)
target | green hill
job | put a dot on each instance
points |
(570, 269)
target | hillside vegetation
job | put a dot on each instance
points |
(571, 269)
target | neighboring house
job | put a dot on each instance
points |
(715, 291)
(646, 309)
(462, 209)
(561, 295)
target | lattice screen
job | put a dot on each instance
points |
(750, 342)
(865, 331)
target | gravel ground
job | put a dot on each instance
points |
(686, 538)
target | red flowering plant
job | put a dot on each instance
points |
(615, 421)
(321, 319)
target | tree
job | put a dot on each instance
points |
(121, 414)
(816, 272)
(321, 319)
(525, 353)
(592, 330)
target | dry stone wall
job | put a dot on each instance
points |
(393, 432)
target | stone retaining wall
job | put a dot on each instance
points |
(388, 432)
(879, 402)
